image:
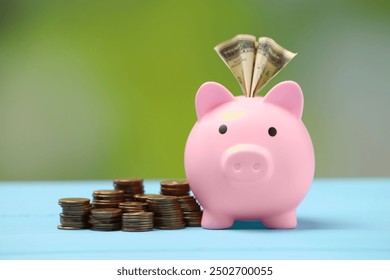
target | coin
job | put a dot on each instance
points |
(175, 187)
(108, 199)
(68, 228)
(161, 199)
(138, 214)
(144, 197)
(99, 204)
(75, 224)
(106, 228)
(136, 230)
(73, 218)
(76, 207)
(177, 226)
(75, 213)
(128, 181)
(108, 192)
(93, 220)
(74, 201)
(169, 183)
(133, 206)
(106, 212)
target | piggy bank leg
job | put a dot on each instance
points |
(282, 221)
(216, 221)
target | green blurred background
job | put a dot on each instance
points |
(105, 89)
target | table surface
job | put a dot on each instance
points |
(338, 219)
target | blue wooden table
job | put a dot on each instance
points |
(339, 219)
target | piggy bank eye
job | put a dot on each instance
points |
(222, 129)
(272, 131)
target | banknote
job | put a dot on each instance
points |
(252, 62)
(270, 59)
(239, 54)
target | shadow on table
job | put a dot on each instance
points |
(303, 224)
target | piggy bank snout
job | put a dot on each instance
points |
(247, 163)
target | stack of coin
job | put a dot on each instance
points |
(192, 213)
(75, 213)
(133, 206)
(167, 212)
(130, 187)
(106, 219)
(107, 198)
(137, 221)
(175, 187)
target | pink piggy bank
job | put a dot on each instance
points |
(249, 158)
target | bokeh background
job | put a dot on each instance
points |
(105, 89)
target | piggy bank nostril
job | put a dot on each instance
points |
(247, 163)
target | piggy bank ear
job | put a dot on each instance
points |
(209, 96)
(287, 95)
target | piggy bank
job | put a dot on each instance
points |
(249, 158)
